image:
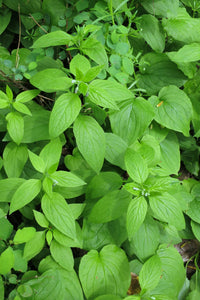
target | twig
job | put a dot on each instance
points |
(37, 23)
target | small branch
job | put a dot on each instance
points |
(37, 23)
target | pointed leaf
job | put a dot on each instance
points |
(66, 179)
(165, 8)
(6, 261)
(24, 235)
(35, 245)
(37, 161)
(62, 255)
(15, 126)
(22, 108)
(115, 150)
(51, 154)
(27, 96)
(95, 50)
(55, 38)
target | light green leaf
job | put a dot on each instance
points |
(51, 80)
(92, 73)
(24, 235)
(62, 255)
(35, 245)
(166, 208)
(22, 108)
(95, 50)
(132, 119)
(55, 38)
(115, 150)
(79, 62)
(37, 161)
(65, 111)
(8, 187)
(109, 272)
(110, 207)
(158, 71)
(150, 273)
(58, 212)
(29, 189)
(51, 154)
(196, 229)
(1, 288)
(6, 261)
(27, 96)
(165, 8)
(150, 29)
(194, 210)
(136, 214)
(173, 109)
(90, 139)
(15, 126)
(41, 219)
(188, 53)
(14, 159)
(66, 179)
(136, 166)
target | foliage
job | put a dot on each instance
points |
(99, 117)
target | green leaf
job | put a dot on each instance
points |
(24, 235)
(5, 19)
(132, 119)
(6, 261)
(37, 161)
(165, 8)
(95, 50)
(64, 113)
(196, 229)
(110, 207)
(166, 208)
(173, 109)
(58, 212)
(55, 38)
(22, 108)
(6, 229)
(51, 154)
(194, 210)
(183, 27)
(25, 290)
(90, 139)
(109, 272)
(115, 150)
(8, 187)
(26, 96)
(14, 159)
(62, 255)
(51, 80)
(136, 166)
(150, 273)
(79, 63)
(92, 73)
(1, 288)
(25, 7)
(136, 214)
(150, 29)
(188, 53)
(41, 219)
(157, 71)
(66, 179)
(15, 126)
(34, 246)
(29, 189)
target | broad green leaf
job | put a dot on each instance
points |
(1, 288)
(37, 161)
(14, 159)
(109, 272)
(183, 27)
(62, 255)
(51, 80)
(79, 62)
(51, 154)
(29, 189)
(132, 119)
(66, 179)
(166, 208)
(41, 219)
(173, 275)
(55, 38)
(24, 235)
(22, 108)
(26, 96)
(6, 261)
(58, 212)
(194, 210)
(196, 229)
(115, 150)
(95, 50)
(149, 148)
(5, 19)
(165, 8)
(145, 240)
(65, 111)
(8, 187)
(150, 29)
(90, 139)
(25, 7)
(157, 71)
(6, 229)
(65, 240)
(150, 273)
(136, 166)
(136, 214)
(35, 245)
(107, 92)
(25, 290)
(92, 73)
(15, 126)
(110, 207)
(188, 53)
(173, 109)
(169, 162)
